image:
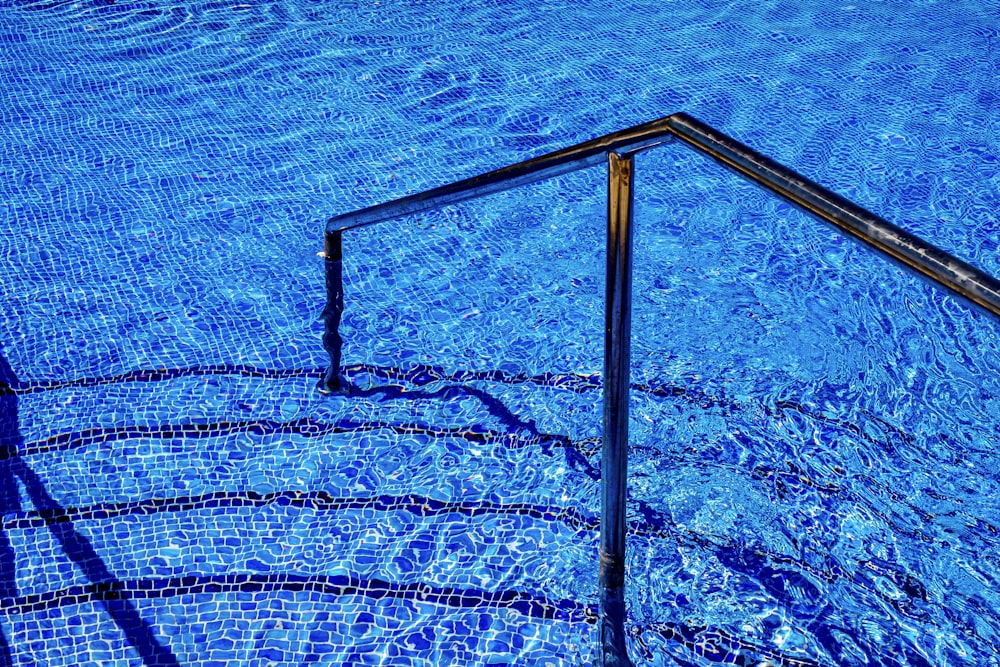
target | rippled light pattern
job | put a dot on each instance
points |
(813, 471)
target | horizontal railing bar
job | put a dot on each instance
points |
(581, 156)
(912, 251)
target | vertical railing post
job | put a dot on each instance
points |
(333, 254)
(614, 459)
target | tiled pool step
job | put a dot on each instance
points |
(404, 540)
(270, 436)
(220, 384)
(160, 516)
(355, 463)
(277, 483)
(277, 620)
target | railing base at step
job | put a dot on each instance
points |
(333, 266)
(333, 385)
(613, 652)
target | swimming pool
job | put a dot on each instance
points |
(812, 480)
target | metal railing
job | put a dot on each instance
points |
(617, 150)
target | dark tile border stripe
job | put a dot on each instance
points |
(319, 500)
(337, 585)
(713, 644)
(420, 375)
(651, 524)
(306, 427)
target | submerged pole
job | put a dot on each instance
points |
(332, 342)
(614, 459)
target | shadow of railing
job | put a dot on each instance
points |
(14, 469)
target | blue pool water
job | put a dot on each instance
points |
(813, 478)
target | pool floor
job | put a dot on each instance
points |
(813, 477)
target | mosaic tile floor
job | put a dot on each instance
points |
(813, 476)
(216, 541)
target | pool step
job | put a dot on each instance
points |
(130, 536)
(271, 436)
(375, 528)
(276, 620)
(407, 539)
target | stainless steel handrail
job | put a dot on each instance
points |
(617, 150)
(908, 249)
(912, 251)
(581, 156)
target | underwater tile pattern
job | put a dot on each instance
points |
(813, 475)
